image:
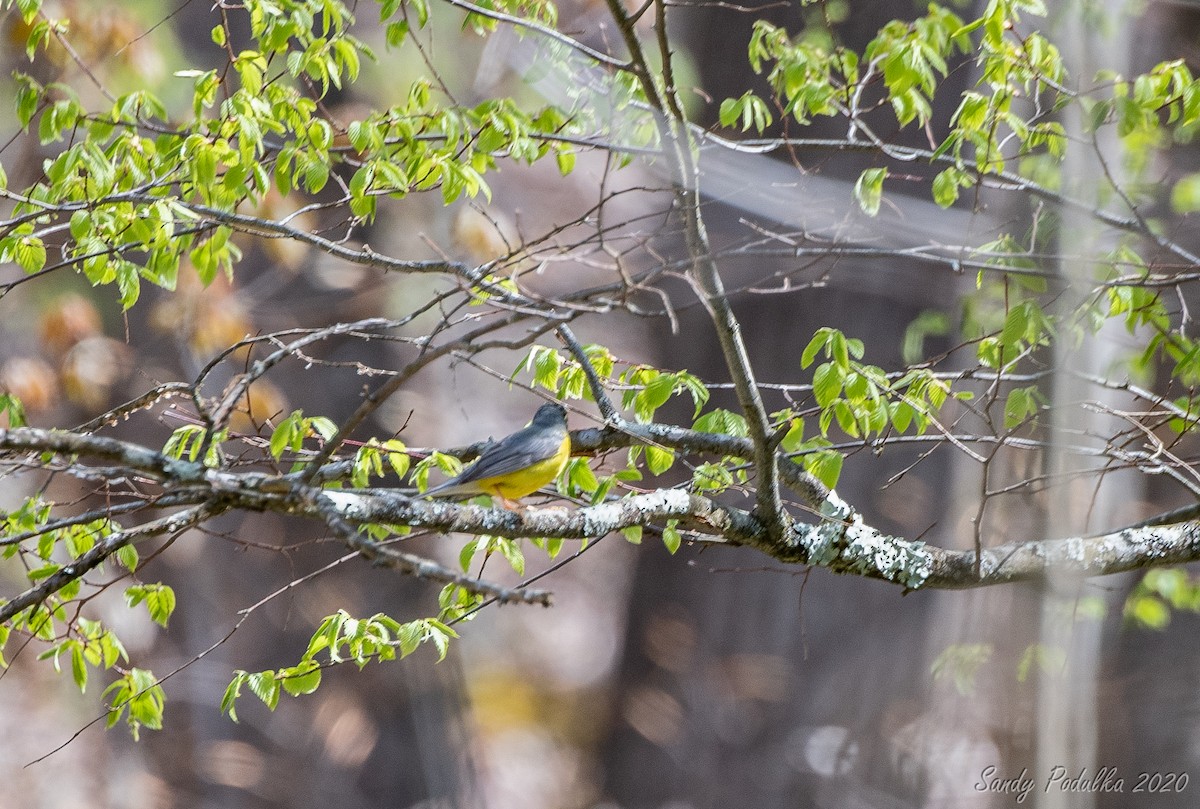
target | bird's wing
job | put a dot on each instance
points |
(516, 452)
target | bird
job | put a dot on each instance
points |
(519, 464)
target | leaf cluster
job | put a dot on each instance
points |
(340, 638)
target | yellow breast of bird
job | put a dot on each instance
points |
(515, 485)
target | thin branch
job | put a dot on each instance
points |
(238, 389)
(173, 523)
(705, 275)
(373, 400)
(146, 400)
(104, 512)
(549, 33)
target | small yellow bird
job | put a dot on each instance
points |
(520, 464)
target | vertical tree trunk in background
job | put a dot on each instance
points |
(1067, 709)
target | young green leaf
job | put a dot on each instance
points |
(868, 190)
(671, 537)
(304, 678)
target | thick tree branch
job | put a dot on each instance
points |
(696, 512)
(135, 457)
(840, 540)
(326, 504)
(1116, 552)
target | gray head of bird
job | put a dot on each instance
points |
(550, 414)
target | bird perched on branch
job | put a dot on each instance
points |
(518, 465)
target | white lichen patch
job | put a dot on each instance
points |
(1075, 551)
(844, 542)
(348, 504)
(896, 559)
(835, 508)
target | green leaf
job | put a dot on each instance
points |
(818, 341)
(366, 461)
(1049, 659)
(512, 553)
(1148, 611)
(847, 417)
(580, 476)
(836, 346)
(750, 110)
(659, 459)
(79, 668)
(961, 661)
(794, 436)
(11, 407)
(694, 386)
(440, 634)
(945, 187)
(289, 433)
(547, 366)
(722, 422)
(322, 426)
(929, 323)
(412, 634)
(29, 253)
(265, 686)
(552, 547)
(127, 556)
(671, 537)
(467, 555)
(29, 9)
(655, 395)
(29, 95)
(827, 383)
(397, 456)
(316, 175)
(304, 678)
(730, 110)
(566, 161)
(825, 465)
(868, 190)
(160, 602)
(1020, 405)
(128, 283)
(712, 477)
(395, 33)
(139, 693)
(232, 692)
(1185, 195)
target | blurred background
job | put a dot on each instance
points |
(711, 678)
